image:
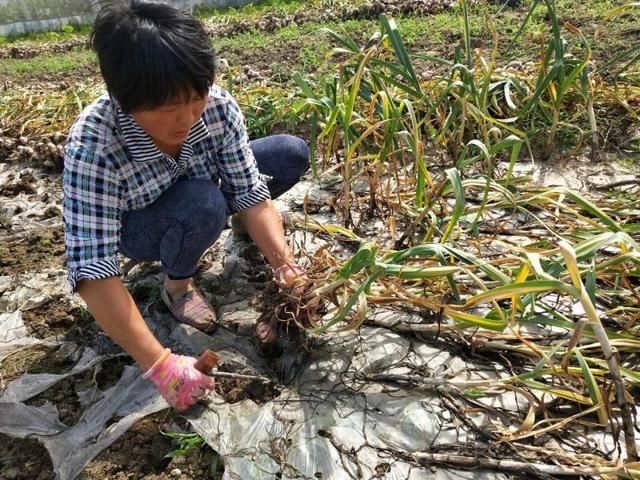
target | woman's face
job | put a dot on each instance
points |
(169, 125)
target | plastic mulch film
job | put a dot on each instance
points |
(326, 422)
(70, 447)
(329, 422)
(322, 416)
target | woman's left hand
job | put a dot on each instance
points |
(290, 276)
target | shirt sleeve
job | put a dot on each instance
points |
(240, 182)
(91, 211)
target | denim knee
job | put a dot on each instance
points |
(297, 151)
(208, 211)
(199, 216)
(284, 158)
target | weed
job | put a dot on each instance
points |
(83, 313)
(187, 443)
(627, 162)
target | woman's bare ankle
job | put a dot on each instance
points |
(177, 288)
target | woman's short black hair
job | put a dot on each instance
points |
(151, 53)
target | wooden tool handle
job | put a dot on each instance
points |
(207, 360)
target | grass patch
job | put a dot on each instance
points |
(627, 162)
(293, 48)
(48, 63)
(67, 32)
(436, 28)
(257, 39)
(252, 10)
(596, 8)
(250, 40)
(432, 32)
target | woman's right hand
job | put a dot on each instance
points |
(178, 381)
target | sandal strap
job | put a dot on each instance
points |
(192, 309)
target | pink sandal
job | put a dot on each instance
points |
(192, 309)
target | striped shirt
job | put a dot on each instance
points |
(112, 166)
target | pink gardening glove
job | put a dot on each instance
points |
(178, 381)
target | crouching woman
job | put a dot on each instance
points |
(152, 170)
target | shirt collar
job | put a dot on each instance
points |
(140, 144)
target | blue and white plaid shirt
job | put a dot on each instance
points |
(112, 166)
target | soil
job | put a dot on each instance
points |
(234, 390)
(24, 460)
(64, 396)
(58, 318)
(44, 248)
(143, 452)
(56, 81)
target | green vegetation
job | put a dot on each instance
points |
(430, 123)
(188, 444)
(67, 32)
(50, 63)
(374, 119)
(253, 9)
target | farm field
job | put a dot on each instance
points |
(470, 226)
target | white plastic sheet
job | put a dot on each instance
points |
(70, 447)
(14, 335)
(328, 423)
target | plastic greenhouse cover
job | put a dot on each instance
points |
(18, 16)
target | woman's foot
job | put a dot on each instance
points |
(188, 306)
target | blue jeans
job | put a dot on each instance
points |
(188, 218)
